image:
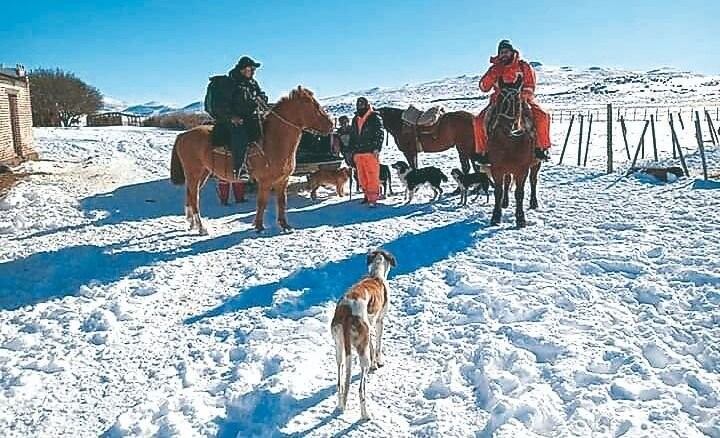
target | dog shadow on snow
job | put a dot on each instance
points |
(263, 412)
(312, 286)
(55, 274)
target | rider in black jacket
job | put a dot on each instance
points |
(246, 100)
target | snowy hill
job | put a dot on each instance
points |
(558, 87)
(598, 319)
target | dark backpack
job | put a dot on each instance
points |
(218, 98)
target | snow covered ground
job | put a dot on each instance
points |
(599, 319)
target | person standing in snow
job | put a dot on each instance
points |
(366, 139)
(343, 135)
(247, 100)
(507, 66)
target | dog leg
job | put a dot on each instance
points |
(379, 361)
(411, 193)
(364, 368)
(339, 358)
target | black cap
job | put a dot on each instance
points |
(505, 44)
(247, 61)
(362, 99)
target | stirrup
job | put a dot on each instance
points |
(481, 159)
(241, 174)
(542, 154)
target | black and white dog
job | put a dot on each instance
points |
(385, 180)
(472, 181)
(414, 178)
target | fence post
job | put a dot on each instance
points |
(637, 151)
(676, 144)
(642, 152)
(587, 145)
(713, 133)
(701, 145)
(567, 137)
(624, 133)
(609, 139)
(682, 124)
(652, 126)
(579, 157)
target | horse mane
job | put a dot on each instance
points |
(297, 93)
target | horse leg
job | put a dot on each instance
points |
(189, 215)
(533, 186)
(506, 191)
(464, 166)
(196, 202)
(281, 197)
(263, 194)
(497, 211)
(411, 158)
(520, 197)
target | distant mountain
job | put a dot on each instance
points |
(558, 87)
(148, 109)
(111, 104)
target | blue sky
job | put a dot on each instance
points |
(165, 50)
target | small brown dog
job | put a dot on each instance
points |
(329, 178)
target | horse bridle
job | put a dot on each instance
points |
(272, 111)
(507, 109)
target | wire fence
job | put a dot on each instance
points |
(638, 113)
(700, 121)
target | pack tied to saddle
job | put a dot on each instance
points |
(218, 104)
(422, 122)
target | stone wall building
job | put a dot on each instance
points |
(16, 135)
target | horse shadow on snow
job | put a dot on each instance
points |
(153, 200)
(55, 274)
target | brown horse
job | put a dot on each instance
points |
(454, 129)
(511, 144)
(270, 162)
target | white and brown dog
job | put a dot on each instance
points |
(362, 307)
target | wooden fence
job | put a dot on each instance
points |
(637, 113)
(652, 117)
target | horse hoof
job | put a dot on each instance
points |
(287, 229)
(203, 232)
(259, 229)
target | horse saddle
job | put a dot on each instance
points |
(422, 119)
(422, 122)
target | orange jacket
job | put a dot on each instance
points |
(509, 74)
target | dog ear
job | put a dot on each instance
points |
(389, 257)
(370, 257)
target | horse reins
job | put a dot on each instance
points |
(289, 123)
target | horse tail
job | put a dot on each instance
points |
(177, 173)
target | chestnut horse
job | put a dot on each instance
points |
(270, 162)
(511, 144)
(453, 129)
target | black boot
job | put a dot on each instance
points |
(542, 154)
(481, 158)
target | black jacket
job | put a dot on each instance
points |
(370, 139)
(245, 95)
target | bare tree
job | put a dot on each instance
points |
(60, 97)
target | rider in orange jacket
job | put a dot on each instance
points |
(508, 66)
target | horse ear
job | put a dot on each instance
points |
(518, 82)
